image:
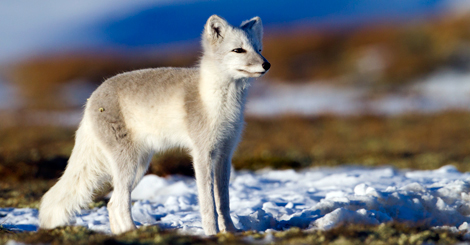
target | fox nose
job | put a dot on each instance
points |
(266, 65)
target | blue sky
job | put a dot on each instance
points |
(165, 24)
(31, 28)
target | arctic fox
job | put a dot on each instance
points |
(135, 114)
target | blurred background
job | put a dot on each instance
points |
(367, 82)
(339, 57)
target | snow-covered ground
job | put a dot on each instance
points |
(443, 90)
(319, 198)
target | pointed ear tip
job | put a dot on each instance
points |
(251, 22)
(214, 17)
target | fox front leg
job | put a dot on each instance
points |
(221, 195)
(205, 188)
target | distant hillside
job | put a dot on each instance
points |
(382, 55)
(387, 54)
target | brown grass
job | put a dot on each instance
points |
(391, 233)
(423, 141)
(33, 157)
(409, 141)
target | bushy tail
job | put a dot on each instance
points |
(84, 173)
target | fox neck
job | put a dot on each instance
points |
(223, 96)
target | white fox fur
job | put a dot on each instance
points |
(134, 114)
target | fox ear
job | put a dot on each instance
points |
(255, 25)
(215, 29)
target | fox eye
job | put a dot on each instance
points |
(239, 50)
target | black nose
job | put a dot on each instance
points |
(266, 66)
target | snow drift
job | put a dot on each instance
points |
(320, 198)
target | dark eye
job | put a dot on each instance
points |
(239, 50)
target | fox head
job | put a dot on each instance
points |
(235, 50)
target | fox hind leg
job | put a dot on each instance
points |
(142, 167)
(127, 169)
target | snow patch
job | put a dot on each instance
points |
(443, 90)
(268, 200)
